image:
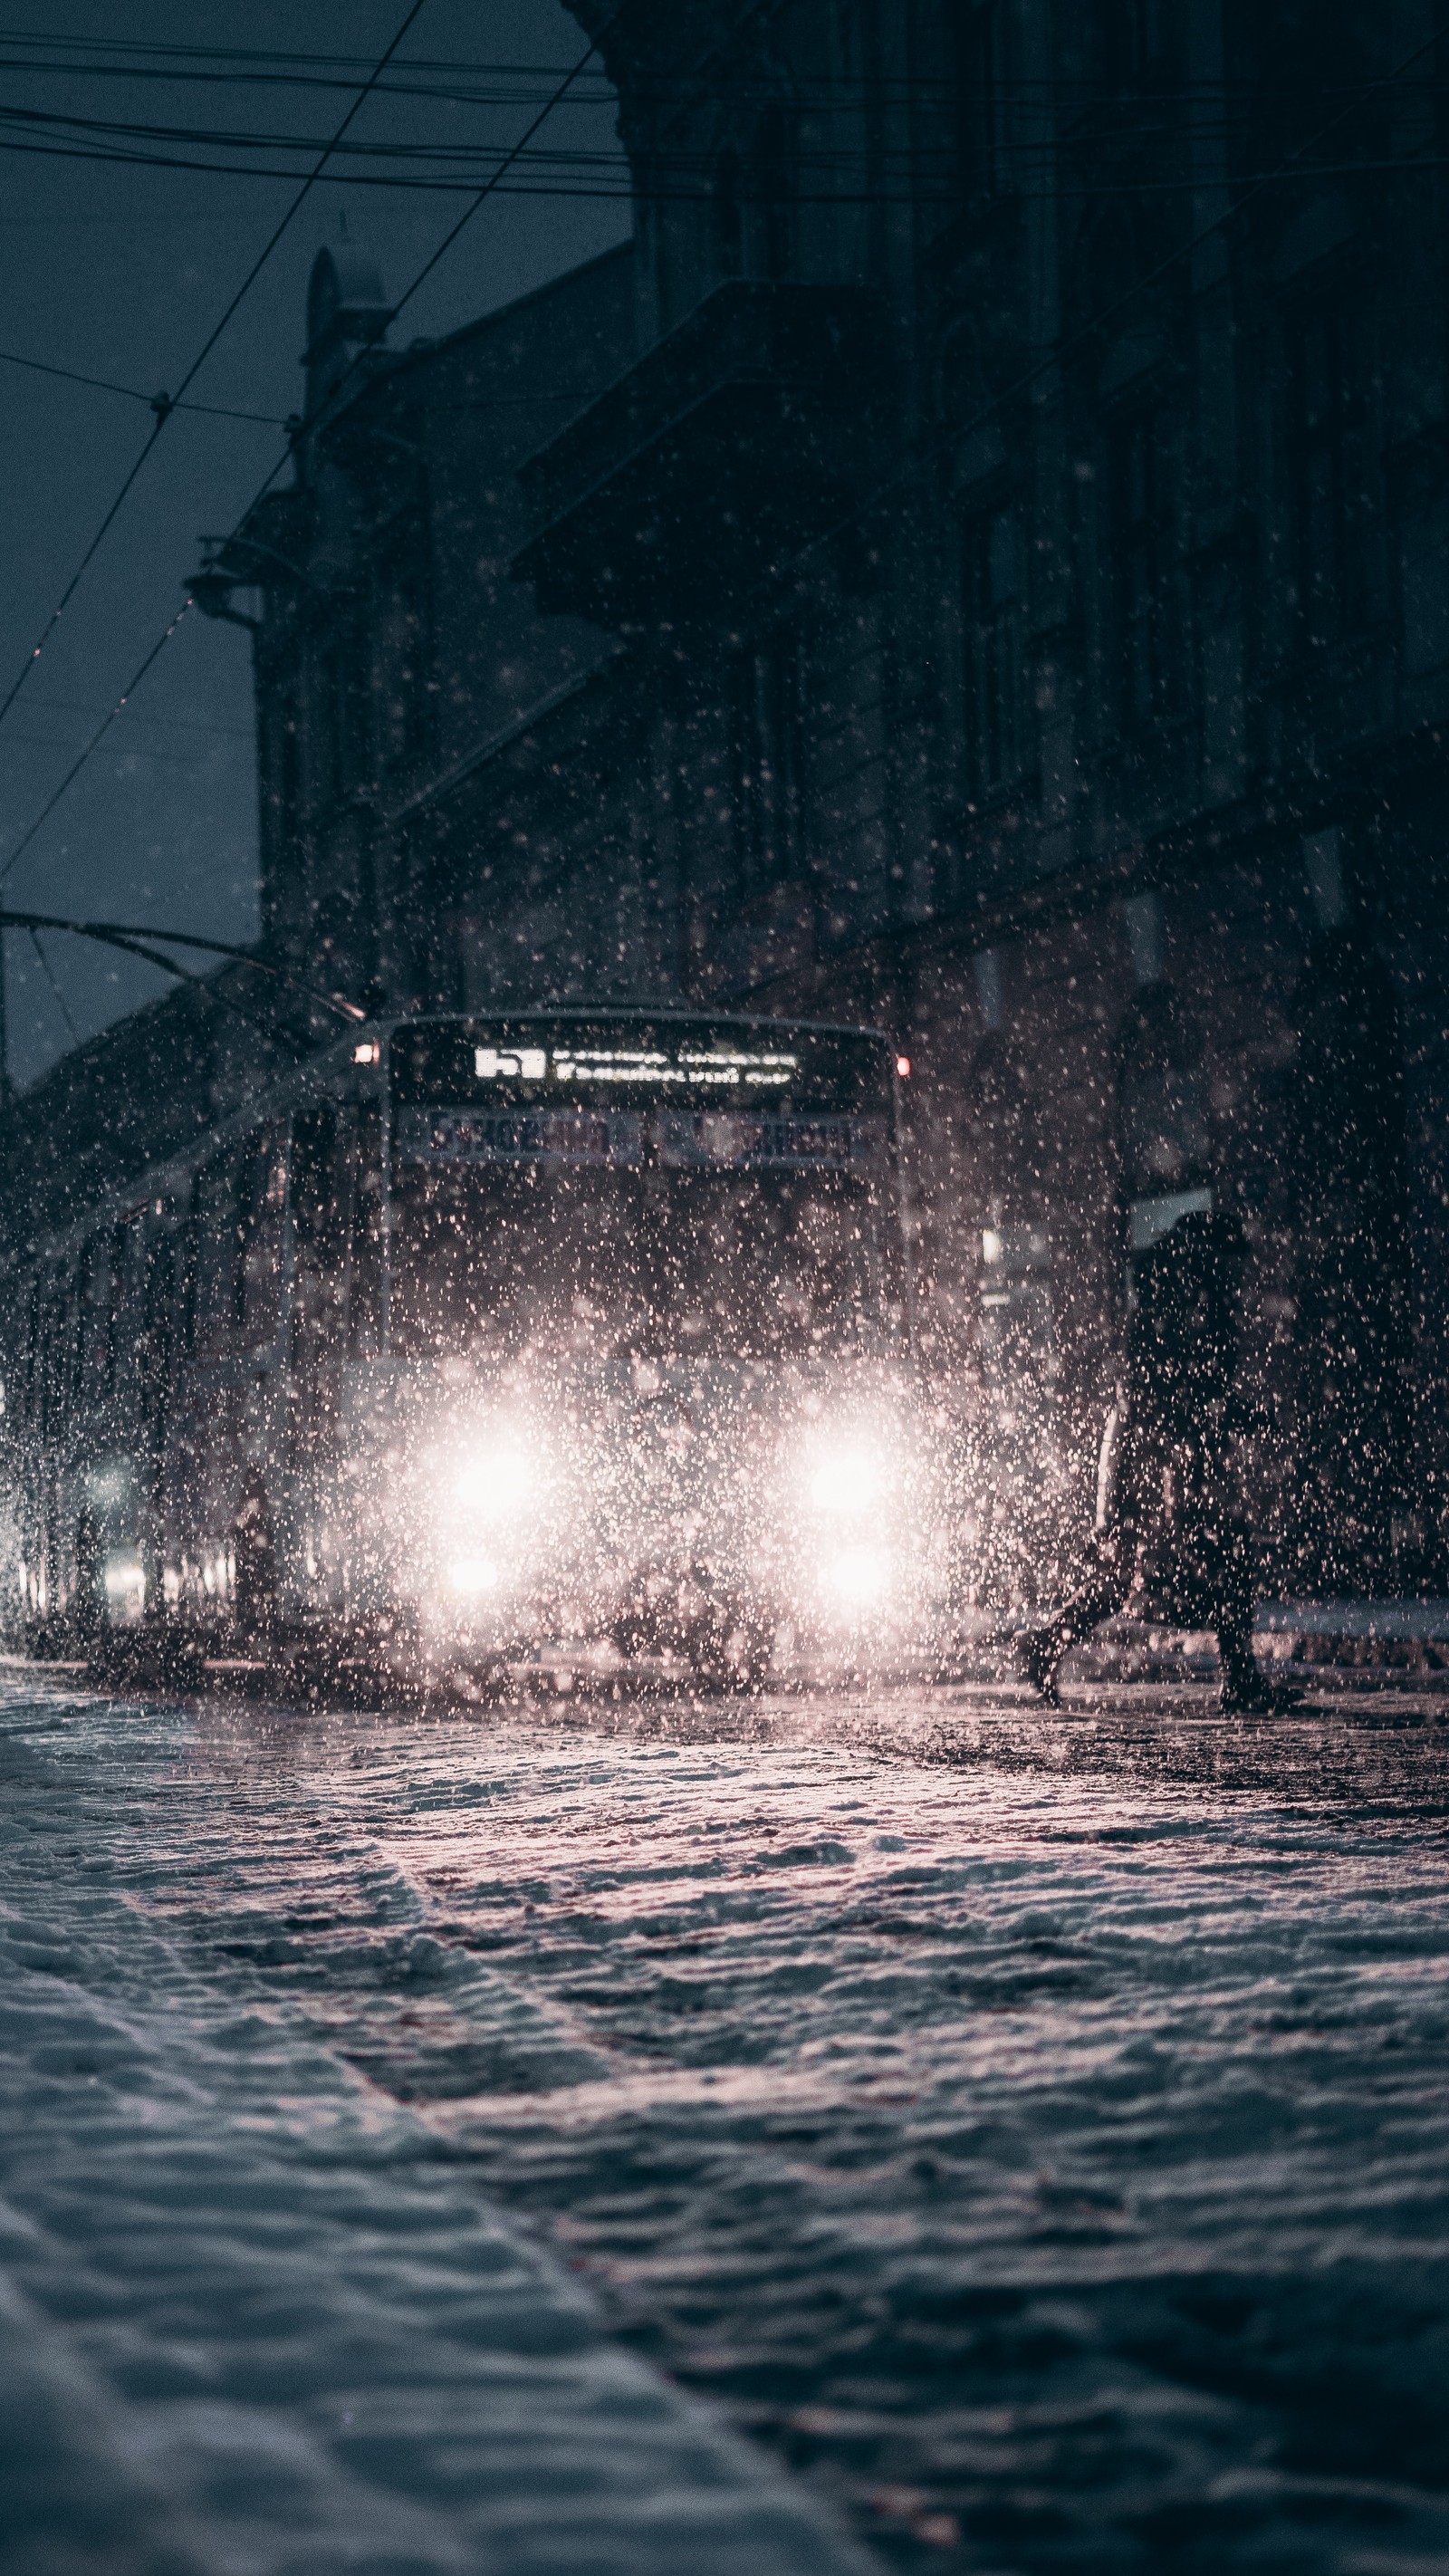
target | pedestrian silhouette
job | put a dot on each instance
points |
(1170, 1525)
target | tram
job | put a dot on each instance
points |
(482, 1341)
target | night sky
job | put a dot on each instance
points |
(121, 272)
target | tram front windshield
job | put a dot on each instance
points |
(624, 1192)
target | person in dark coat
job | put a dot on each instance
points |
(254, 1557)
(1169, 1521)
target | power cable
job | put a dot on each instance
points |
(1147, 117)
(676, 159)
(102, 729)
(129, 934)
(869, 501)
(133, 393)
(429, 264)
(262, 62)
(623, 192)
(204, 984)
(62, 1005)
(165, 404)
(223, 411)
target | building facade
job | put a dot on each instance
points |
(977, 561)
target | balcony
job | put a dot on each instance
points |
(740, 435)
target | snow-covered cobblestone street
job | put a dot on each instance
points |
(432, 2141)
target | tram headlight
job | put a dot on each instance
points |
(489, 1481)
(124, 1576)
(472, 1577)
(857, 1579)
(851, 1486)
(496, 1482)
(847, 1479)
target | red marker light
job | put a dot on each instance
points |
(903, 1067)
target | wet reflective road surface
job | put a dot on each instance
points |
(1031, 2129)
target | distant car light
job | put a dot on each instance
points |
(367, 1051)
(903, 1067)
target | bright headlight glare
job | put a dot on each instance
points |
(845, 1480)
(858, 1578)
(471, 1576)
(495, 1482)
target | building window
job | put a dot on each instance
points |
(771, 211)
(729, 243)
(993, 587)
(1362, 1494)
(1166, 1138)
(978, 96)
(282, 810)
(1139, 571)
(1133, 37)
(1327, 553)
(340, 729)
(288, 774)
(767, 734)
(401, 657)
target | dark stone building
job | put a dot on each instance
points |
(978, 561)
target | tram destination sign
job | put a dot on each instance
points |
(762, 1070)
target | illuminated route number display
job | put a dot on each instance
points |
(619, 1071)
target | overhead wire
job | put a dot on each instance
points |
(307, 69)
(1048, 109)
(224, 411)
(152, 956)
(133, 393)
(421, 275)
(94, 742)
(128, 933)
(624, 191)
(62, 1005)
(899, 480)
(165, 404)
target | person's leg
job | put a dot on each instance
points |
(1108, 1561)
(1105, 1584)
(1243, 1688)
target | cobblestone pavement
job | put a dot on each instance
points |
(1027, 2130)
